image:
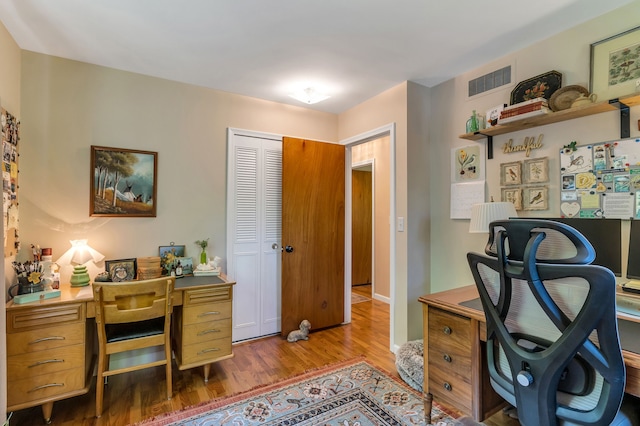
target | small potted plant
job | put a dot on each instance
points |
(203, 255)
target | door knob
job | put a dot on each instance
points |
(288, 249)
(274, 246)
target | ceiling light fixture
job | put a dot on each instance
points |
(309, 96)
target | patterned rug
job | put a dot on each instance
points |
(357, 298)
(351, 393)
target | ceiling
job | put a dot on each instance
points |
(351, 49)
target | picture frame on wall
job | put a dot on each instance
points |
(613, 65)
(121, 270)
(512, 195)
(123, 182)
(536, 170)
(535, 198)
(511, 173)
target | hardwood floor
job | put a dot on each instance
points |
(133, 397)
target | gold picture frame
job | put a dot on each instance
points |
(535, 170)
(511, 173)
(123, 182)
(535, 198)
(512, 195)
(613, 65)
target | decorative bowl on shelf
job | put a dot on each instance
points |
(564, 97)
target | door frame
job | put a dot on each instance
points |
(358, 166)
(349, 143)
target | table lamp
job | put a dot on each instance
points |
(483, 214)
(79, 254)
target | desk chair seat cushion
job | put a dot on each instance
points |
(134, 330)
(410, 363)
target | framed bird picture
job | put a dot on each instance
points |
(535, 198)
(511, 173)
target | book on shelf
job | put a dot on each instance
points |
(527, 102)
(535, 113)
(535, 106)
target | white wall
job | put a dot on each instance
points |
(568, 53)
(69, 106)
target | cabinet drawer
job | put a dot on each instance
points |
(441, 358)
(45, 338)
(450, 332)
(206, 313)
(206, 295)
(44, 316)
(205, 331)
(44, 386)
(452, 388)
(206, 351)
(44, 362)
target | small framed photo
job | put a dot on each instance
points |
(121, 270)
(536, 170)
(614, 69)
(168, 256)
(535, 198)
(187, 265)
(511, 173)
(512, 195)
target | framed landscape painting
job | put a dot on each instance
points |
(123, 182)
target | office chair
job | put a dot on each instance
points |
(132, 315)
(552, 339)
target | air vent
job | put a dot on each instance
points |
(490, 81)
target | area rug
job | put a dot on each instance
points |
(357, 298)
(351, 393)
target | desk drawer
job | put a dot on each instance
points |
(44, 316)
(205, 331)
(44, 386)
(206, 296)
(45, 338)
(449, 332)
(206, 351)
(206, 313)
(44, 362)
(452, 388)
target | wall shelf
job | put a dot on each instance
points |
(622, 104)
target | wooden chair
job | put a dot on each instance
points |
(132, 315)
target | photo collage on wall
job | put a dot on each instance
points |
(10, 139)
(601, 180)
(523, 183)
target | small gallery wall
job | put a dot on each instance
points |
(601, 179)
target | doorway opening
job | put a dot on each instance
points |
(384, 253)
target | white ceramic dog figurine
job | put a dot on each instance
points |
(302, 334)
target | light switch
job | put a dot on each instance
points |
(400, 224)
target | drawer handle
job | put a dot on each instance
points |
(204, 314)
(446, 330)
(45, 339)
(447, 386)
(204, 351)
(48, 361)
(49, 385)
(211, 330)
(447, 357)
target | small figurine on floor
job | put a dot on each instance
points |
(302, 334)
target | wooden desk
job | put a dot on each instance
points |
(50, 343)
(455, 368)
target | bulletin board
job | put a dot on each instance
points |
(601, 180)
(10, 139)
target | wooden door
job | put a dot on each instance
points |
(361, 236)
(312, 233)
